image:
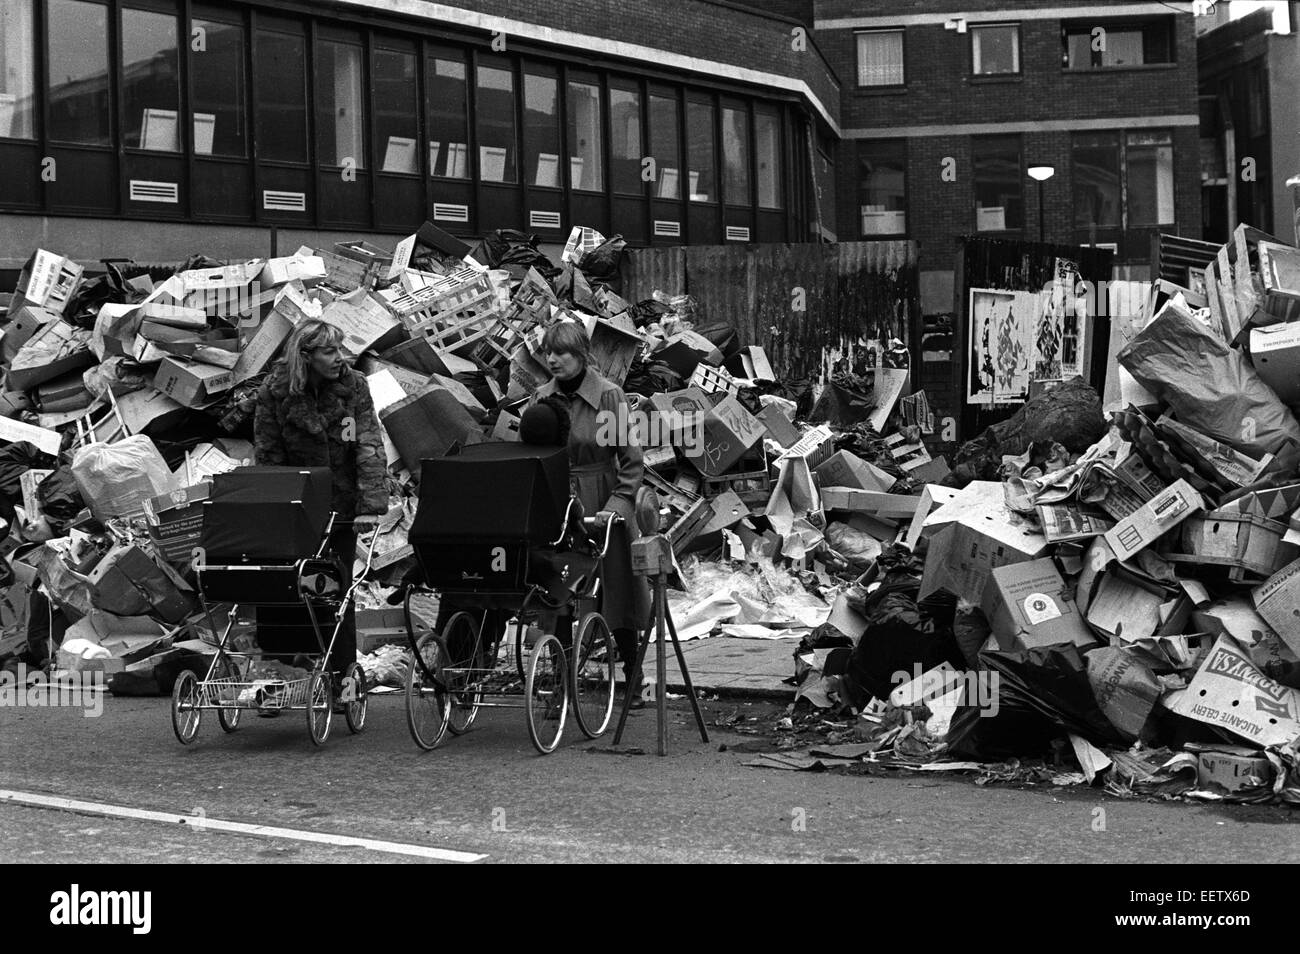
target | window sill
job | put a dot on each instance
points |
(881, 90)
(1106, 70)
(982, 78)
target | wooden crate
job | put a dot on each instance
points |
(453, 315)
(687, 526)
(752, 486)
(1250, 546)
(346, 274)
(713, 380)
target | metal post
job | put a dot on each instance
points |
(1042, 215)
(661, 661)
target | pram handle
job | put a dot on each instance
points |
(594, 522)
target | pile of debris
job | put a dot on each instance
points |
(1132, 598)
(126, 392)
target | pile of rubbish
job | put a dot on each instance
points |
(126, 392)
(1125, 605)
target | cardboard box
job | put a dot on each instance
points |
(190, 384)
(507, 427)
(308, 269)
(869, 501)
(126, 582)
(613, 349)
(751, 364)
(889, 387)
(933, 496)
(730, 432)
(24, 321)
(1230, 693)
(266, 343)
(1275, 352)
(48, 281)
(779, 427)
(679, 415)
(426, 425)
(145, 409)
(366, 325)
(846, 469)
(975, 533)
(176, 521)
(682, 352)
(1027, 606)
(1124, 606)
(1237, 771)
(815, 447)
(56, 349)
(430, 237)
(380, 627)
(1153, 519)
(1277, 600)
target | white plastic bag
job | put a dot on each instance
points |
(116, 479)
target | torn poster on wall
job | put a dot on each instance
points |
(1000, 324)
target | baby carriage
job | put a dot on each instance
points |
(266, 531)
(497, 529)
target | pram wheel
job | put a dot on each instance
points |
(592, 671)
(355, 698)
(228, 715)
(547, 694)
(320, 706)
(462, 638)
(426, 699)
(185, 707)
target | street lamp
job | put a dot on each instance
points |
(1041, 173)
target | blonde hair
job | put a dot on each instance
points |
(567, 337)
(307, 337)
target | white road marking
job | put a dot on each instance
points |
(238, 828)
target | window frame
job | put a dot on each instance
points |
(902, 146)
(212, 14)
(36, 52)
(975, 180)
(1126, 222)
(857, 59)
(44, 79)
(430, 54)
(1019, 59)
(1084, 28)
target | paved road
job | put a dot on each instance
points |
(489, 793)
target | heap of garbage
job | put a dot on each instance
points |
(1116, 597)
(126, 392)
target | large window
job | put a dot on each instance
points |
(1149, 166)
(999, 182)
(701, 145)
(496, 124)
(666, 146)
(882, 188)
(340, 99)
(585, 154)
(995, 49)
(880, 58)
(448, 102)
(281, 89)
(396, 89)
(767, 149)
(625, 138)
(1091, 45)
(218, 80)
(80, 104)
(542, 130)
(151, 86)
(1095, 172)
(735, 154)
(17, 70)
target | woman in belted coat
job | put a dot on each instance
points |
(605, 472)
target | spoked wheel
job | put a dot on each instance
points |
(460, 637)
(427, 700)
(320, 706)
(355, 698)
(228, 715)
(547, 692)
(185, 707)
(592, 671)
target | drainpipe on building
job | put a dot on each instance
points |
(816, 184)
(1230, 163)
(1294, 185)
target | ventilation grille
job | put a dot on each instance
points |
(284, 201)
(737, 233)
(668, 229)
(543, 220)
(144, 191)
(445, 212)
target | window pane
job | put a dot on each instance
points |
(666, 147)
(448, 119)
(584, 137)
(1095, 172)
(880, 58)
(767, 136)
(625, 140)
(996, 49)
(396, 132)
(999, 182)
(542, 130)
(220, 127)
(496, 125)
(281, 97)
(701, 146)
(80, 105)
(150, 81)
(735, 154)
(17, 70)
(1097, 46)
(882, 187)
(340, 109)
(1150, 168)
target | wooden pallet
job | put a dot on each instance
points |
(454, 314)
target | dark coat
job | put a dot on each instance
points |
(334, 427)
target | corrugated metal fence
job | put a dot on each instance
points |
(799, 302)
